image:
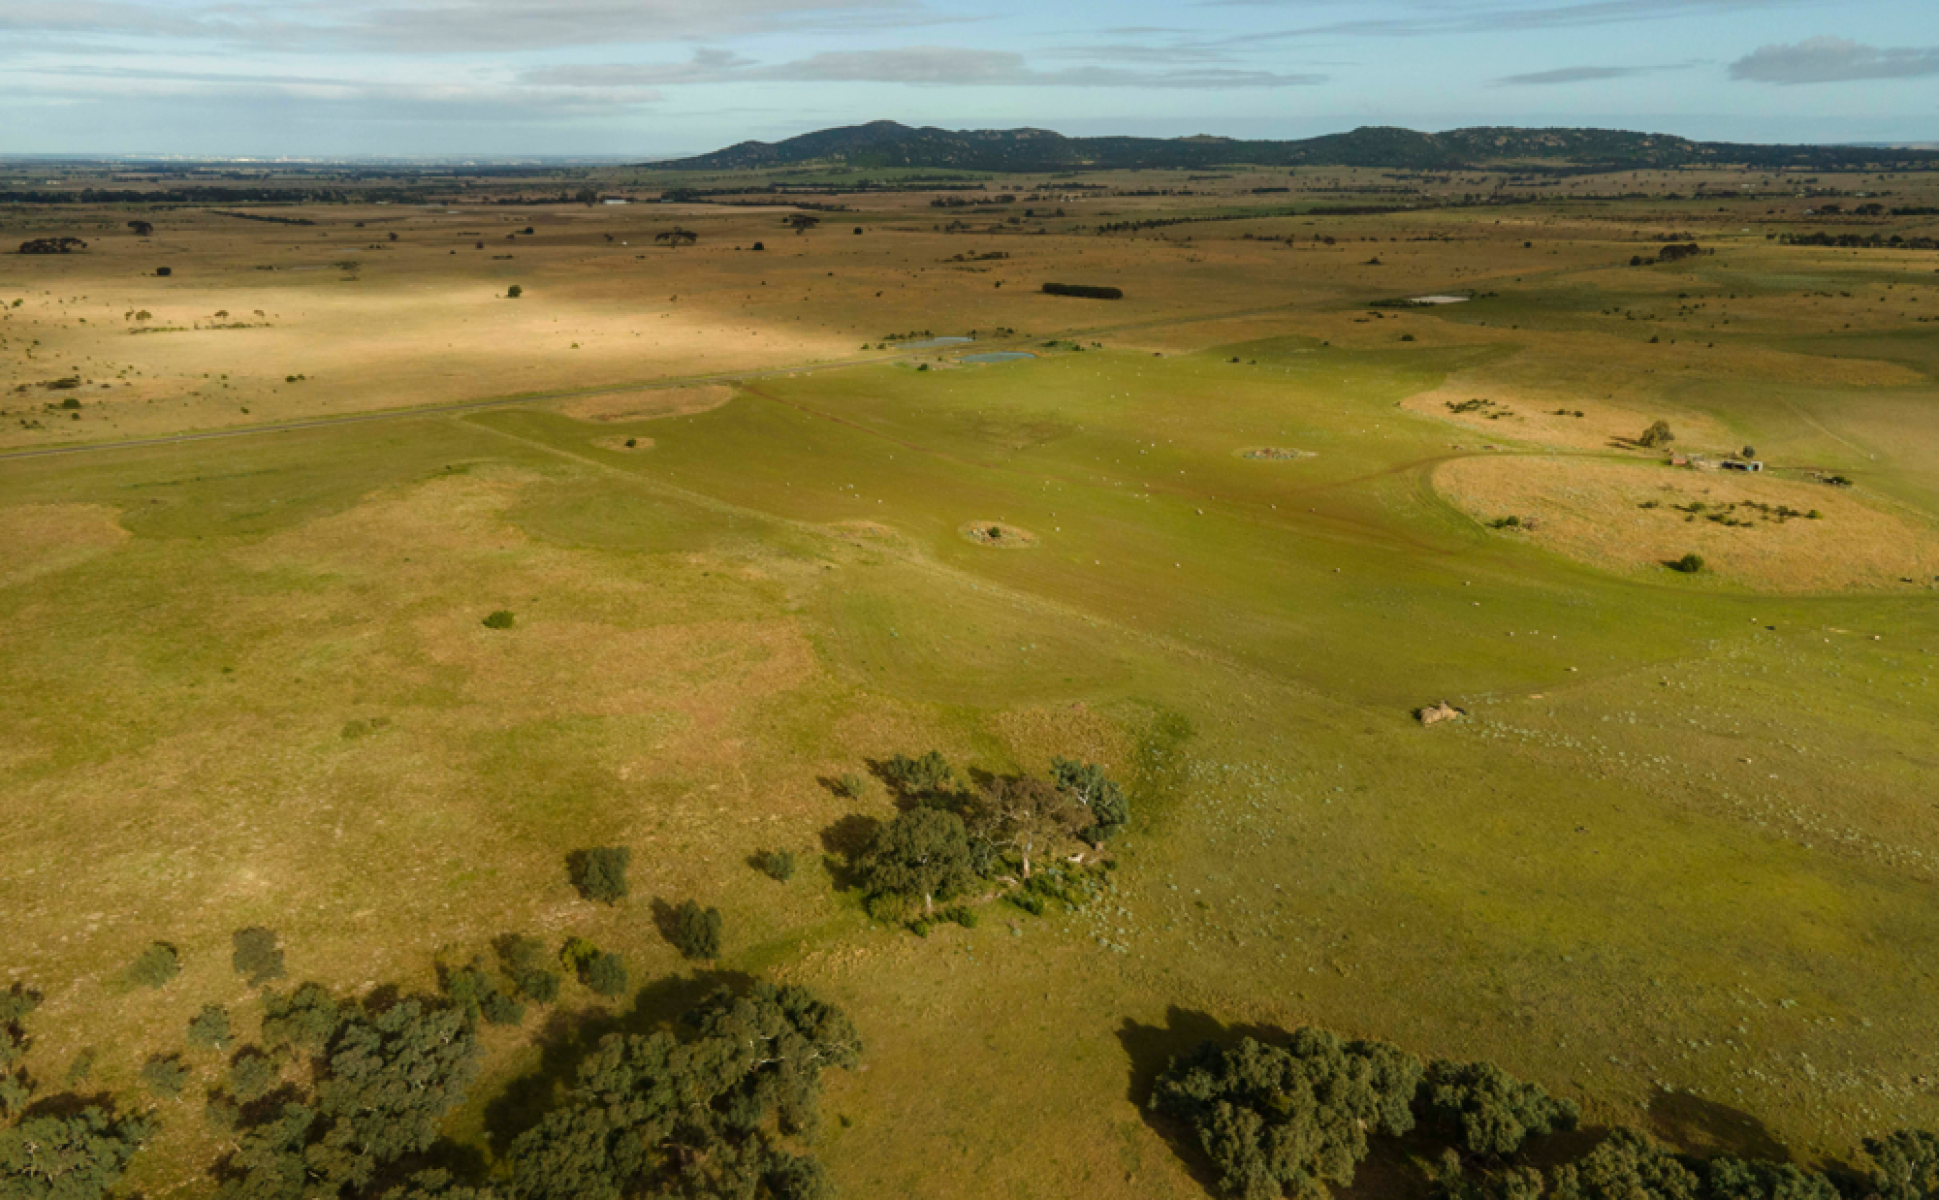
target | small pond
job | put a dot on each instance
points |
(996, 356)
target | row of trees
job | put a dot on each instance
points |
(1298, 1118)
(346, 1100)
(953, 836)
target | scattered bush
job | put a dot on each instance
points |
(524, 960)
(777, 865)
(165, 1075)
(576, 953)
(600, 873)
(1689, 564)
(1084, 290)
(502, 619)
(850, 785)
(155, 966)
(514, 292)
(696, 931)
(257, 957)
(209, 1029)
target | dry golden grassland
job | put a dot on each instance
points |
(1676, 863)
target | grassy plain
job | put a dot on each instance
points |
(1677, 863)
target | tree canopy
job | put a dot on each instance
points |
(1087, 784)
(712, 1115)
(922, 854)
(1287, 1120)
(1492, 1112)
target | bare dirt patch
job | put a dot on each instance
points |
(1638, 517)
(647, 404)
(998, 535)
(43, 538)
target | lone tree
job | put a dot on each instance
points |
(141, 228)
(1287, 1120)
(1087, 784)
(676, 237)
(600, 873)
(1658, 434)
(924, 852)
(514, 292)
(801, 222)
(696, 930)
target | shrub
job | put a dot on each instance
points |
(696, 931)
(209, 1029)
(929, 778)
(849, 785)
(155, 966)
(759, 246)
(166, 1075)
(1689, 564)
(498, 1008)
(576, 953)
(514, 292)
(502, 619)
(1027, 901)
(600, 873)
(164, 272)
(777, 865)
(605, 974)
(1084, 290)
(256, 955)
(524, 961)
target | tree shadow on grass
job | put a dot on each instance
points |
(843, 845)
(570, 1035)
(1707, 1127)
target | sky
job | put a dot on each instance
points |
(646, 79)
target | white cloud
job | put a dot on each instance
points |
(1565, 75)
(913, 65)
(1832, 60)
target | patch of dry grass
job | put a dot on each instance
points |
(1593, 511)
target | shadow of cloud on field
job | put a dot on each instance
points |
(570, 1035)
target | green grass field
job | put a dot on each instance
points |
(1676, 863)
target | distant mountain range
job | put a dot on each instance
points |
(886, 144)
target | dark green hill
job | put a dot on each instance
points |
(885, 144)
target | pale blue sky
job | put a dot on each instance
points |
(648, 78)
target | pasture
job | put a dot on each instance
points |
(1676, 862)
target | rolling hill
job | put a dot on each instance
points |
(887, 144)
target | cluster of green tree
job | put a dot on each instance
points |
(972, 201)
(197, 195)
(1857, 241)
(952, 837)
(60, 1148)
(727, 1110)
(1295, 1119)
(1085, 290)
(53, 245)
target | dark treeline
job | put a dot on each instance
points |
(1860, 241)
(1294, 1115)
(214, 195)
